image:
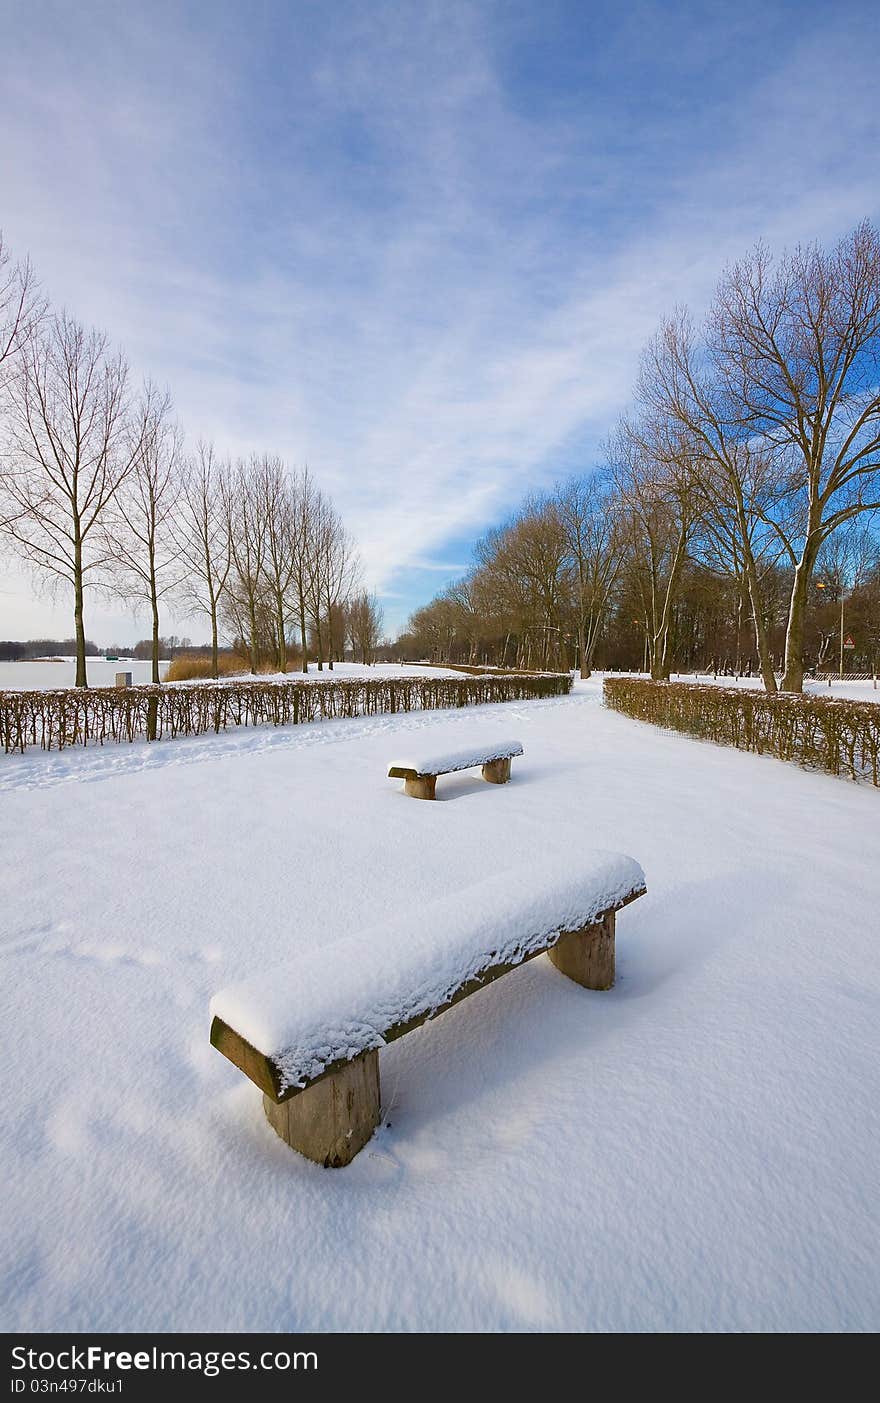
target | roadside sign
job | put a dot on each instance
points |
(848, 643)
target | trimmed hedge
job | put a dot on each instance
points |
(832, 734)
(59, 719)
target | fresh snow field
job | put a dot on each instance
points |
(340, 671)
(695, 1150)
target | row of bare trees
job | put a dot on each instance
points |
(97, 491)
(749, 464)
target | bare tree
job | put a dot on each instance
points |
(277, 514)
(247, 535)
(738, 477)
(21, 307)
(337, 575)
(533, 556)
(467, 611)
(141, 543)
(507, 586)
(797, 347)
(365, 625)
(589, 520)
(306, 507)
(653, 475)
(69, 450)
(318, 526)
(202, 534)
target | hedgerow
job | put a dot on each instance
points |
(58, 719)
(833, 734)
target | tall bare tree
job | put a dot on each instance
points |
(467, 611)
(247, 535)
(203, 540)
(21, 307)
(588, 516)
(534, 555)
(277, 512)
(306, 503)
(653, 474)
(364, 625)
(796, 343)
(143, 546)
(738, 476)
(337, 575)
(69, 449)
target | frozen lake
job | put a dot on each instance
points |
(40, 676)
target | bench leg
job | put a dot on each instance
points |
(587, 956)
(420, 788)
(497, 771)
(330, 1121)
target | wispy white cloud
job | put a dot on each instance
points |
(383, 241)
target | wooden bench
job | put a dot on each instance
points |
(308, 1033)
(421, 775)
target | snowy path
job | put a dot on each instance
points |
(697, 1149)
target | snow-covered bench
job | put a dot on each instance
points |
(308, 1032)
(421, 774)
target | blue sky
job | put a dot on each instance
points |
(415, 245)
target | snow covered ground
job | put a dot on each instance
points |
(695, 1150)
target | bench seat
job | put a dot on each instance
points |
(307, 1032)
(420, 772)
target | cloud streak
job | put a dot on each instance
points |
(416, 246)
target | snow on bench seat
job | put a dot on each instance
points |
(305, 1023)
(420, 773)
(466, 759)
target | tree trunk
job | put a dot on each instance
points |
(154, 653)
(793, 675)
(659, 647)
(153, 703)
(586, 669)
(329, 634)
(765, 661)
(252, 641)
(590, 643)
(659, 666)
(81, 679)
(302, 635)
(282, 640)
(215, 660)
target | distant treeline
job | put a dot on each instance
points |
(11, 652)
